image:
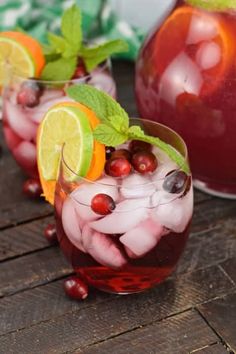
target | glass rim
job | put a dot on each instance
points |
(100, 68)
(119, 179)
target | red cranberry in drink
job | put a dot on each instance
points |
(137, 145)
(102, 204)
(29, 94)
(175, 181)
(144, 162)
(126, 154)
(75, 288)
(109, 151)
(187, 186)
(80, 71)
(32, 188)
(118, 167)
(51, 234)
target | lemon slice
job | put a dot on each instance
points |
(16, 58)
(67, 128)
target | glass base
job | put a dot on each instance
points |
(217, 190)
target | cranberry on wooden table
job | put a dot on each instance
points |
(75, 288)
(32, 188)
(50, 233)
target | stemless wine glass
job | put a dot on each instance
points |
(25, 101)
(186, 79)
(139, 242)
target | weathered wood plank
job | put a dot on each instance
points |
(210, 247)
(15, 207)
(40, 304)
(31, 270)
(85, 326)
(175, 295)
(23, 239)
(173, 335)
(211, 212)
(221, 315)
(229, 266)
(212, 349)
(175, 332)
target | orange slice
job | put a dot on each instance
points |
(98, 157)
(203, 38)
(30, 45)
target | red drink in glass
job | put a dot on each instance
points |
(20, 122)
(186, 79)
(138, 244)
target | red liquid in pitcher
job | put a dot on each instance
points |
(186, 79)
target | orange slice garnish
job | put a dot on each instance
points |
(98, 158)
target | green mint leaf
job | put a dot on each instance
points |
(71, 27)
(98, 101)
(108, 135)
(136, 133)
(59, 70)
(57, 43)
(120, 124)
(96, 55)
(214, 5)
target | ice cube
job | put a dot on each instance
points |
(71, 224)
(102, 248)
(11, 138)
(162, 170)
(37, 113)
(142, 238)
(137, 186)
(176, 214)
(162, 197)
(85, 212)
(103, 81)
(128, 214)
(50, 94)
(25, 154)
(19, 122)
(86, 191)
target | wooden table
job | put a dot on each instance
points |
(193, 311)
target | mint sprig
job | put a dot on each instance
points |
(69, 45)
(214, 5)
(114, 128)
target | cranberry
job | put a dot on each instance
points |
(32, 188)
(75, 288)
(102, 204)
(118, 167)
(80, 71)
(126, 154)
(51, 234)
(138, 145)
(187, 186)
(144, 162)
(109, 151)
(29, 94)
(175, 181)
